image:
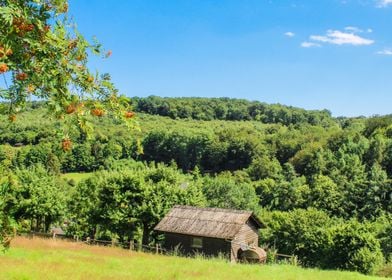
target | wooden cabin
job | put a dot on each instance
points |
(212, 232)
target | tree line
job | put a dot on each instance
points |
(198, 108)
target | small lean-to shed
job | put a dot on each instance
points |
(212, 231)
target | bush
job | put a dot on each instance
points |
(303, 233)
(365, 261)
(319, 240)
(355, 247)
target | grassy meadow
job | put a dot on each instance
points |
(50, 259)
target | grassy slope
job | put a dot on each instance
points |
(48, 259)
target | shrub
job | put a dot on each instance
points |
(303, 233)
(318, 240)
(355, 247)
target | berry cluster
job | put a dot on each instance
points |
(21, 26)
(3, 68)
(97, 112)
(66, 144)
(70, 109)
(21, 76)
(5, 52)
(129, 114)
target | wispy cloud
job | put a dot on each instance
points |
(354, 29)
(310, 45)
(289, 34)
(384, 3)
(385, 52)
(337, 37)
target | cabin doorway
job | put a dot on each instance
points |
(254, 255)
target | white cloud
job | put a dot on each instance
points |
(337, 37)
(309, 45)
(289, 34)
(385, 52)
(384, 3)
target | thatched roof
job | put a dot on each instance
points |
(207, 222)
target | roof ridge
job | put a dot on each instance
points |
(207, 220)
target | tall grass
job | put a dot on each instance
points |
(50, 259)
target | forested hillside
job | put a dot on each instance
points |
(322, 185)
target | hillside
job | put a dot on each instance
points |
(323, 189)
(48, 259)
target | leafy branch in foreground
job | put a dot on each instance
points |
(44, 57)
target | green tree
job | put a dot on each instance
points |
(223, 191)
(325, 195)
(41, 197)
(264, 167)
(7, 209)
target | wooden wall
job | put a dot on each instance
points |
(211, 246)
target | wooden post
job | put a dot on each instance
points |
(131, 245)
(156, 248)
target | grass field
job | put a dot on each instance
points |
(77, 177)
(49, 259)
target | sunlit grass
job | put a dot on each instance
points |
(49, 259)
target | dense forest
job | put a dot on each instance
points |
(321, 185)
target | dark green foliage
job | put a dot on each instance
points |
(304, 233)
(377, 123)
(7, 207)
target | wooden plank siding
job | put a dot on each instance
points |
(247, 235)
(211, 246)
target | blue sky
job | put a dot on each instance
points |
(331, 54)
